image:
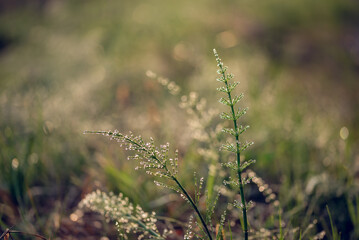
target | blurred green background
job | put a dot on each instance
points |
(70, 66)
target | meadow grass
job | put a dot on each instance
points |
(160, 163)
(64, 70)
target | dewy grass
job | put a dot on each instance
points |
(127, 217)
(238, 147)
(158, 162)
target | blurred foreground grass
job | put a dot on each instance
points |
(67, 67)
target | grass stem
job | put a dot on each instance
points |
(238, 151)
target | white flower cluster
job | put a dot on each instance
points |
(155, 160)
(129, 219)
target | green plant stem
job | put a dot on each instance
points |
(188, 198)
(194, 207)
(144, 227)
(171, 176)
(241, 191)
(184, 192)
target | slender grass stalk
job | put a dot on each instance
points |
(281, 236)
(335, 234)
(8, 232)
(153, 233)
(195, 208)
(157, 164)
(236, 131)
(230, 230)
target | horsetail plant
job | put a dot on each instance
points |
(237, 147)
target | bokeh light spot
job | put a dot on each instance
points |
(74, 217)
(344, 133)
(227, 39)
(15, 163)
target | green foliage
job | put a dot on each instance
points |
(335, 234)
(157, 162)
(354, 214)
(238, 147)
(66, 67)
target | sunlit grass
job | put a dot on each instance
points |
(67, 67)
